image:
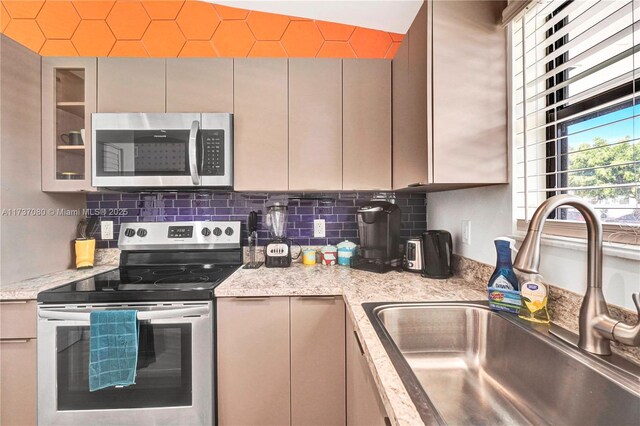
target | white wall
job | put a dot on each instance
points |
(490, 212)
(30, 245)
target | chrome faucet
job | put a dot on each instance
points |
(596, 328)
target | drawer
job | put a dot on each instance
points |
(18, 319)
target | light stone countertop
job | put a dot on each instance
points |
(29, 289)
(357, 287)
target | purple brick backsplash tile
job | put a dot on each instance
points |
(338, 210)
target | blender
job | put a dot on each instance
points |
(277, 253)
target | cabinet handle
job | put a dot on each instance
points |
(415, 185)
(13, 302)
(358, 341)
(250, 298)
(317, 297)
(14, 340)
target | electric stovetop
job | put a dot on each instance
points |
(170, 261)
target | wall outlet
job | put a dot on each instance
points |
(466, 231)
(318, 228)
(106, 230)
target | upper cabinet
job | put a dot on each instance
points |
(68, 99)
(199, 85)
(456, 87)
(315, 124)
(131, 85)
(366, 144)
(261, 131)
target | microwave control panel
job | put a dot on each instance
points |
(212, 157)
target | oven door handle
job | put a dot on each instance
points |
(142, 315)
(193, 148)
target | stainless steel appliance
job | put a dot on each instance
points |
(162, 151)
(437, 249)
(168, 272)
(379, 232)
(413, 255)
(277, 253)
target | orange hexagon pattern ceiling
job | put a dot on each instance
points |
(181, 28)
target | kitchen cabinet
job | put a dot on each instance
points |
(68, 99)
(253, 361)
(199, 85)
(18, 400)
(315, 124)
(317, 361)
(366, 154)
(261, 131)
(364, 406)
(460, 70)
(281, 361)
(131, 85)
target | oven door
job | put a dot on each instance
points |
(174, 378)
(145, 150)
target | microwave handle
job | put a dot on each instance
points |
(142, 315)
(193, 147)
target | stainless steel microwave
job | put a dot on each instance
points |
(162, 150)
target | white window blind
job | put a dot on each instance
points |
(576, 107)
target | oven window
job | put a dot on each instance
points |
(142, 152)
(163, 377)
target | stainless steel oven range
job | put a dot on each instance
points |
(162, 150)
(168, 272)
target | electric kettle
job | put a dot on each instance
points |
(437, 248)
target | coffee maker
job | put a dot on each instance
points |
(277, 253)
(379, 232)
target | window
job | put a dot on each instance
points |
(576, 112)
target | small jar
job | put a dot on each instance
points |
(309, 257)
(329, 255)
(346, 250)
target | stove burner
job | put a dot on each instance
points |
(205, 270)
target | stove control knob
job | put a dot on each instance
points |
(130, 232)
(142, 232)
(206, 232)
(228, 231)
(217, 231)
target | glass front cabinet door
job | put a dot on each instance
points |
(68, 99)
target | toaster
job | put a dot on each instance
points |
(413, 255)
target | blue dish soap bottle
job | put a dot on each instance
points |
(504, 291)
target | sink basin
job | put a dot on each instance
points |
(465, 364)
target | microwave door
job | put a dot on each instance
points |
(193, 152)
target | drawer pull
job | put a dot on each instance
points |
(358, 341)
(14, 340)
(13, 302)
(251, 298)
(317, 297)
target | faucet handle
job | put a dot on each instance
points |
(629, 334)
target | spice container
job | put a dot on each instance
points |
(346, 249)
(329, 255)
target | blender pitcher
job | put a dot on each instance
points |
(276, 220)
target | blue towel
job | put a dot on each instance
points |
(113, 349)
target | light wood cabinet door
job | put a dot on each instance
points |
(253, 361)
(131, 85)
(18, 395)
(364, 407)
(409, 92)
(200, 85)
(315, 124)
(18, 382)
(366, 154)
(261, 141)
(469, 93)
(317, 361)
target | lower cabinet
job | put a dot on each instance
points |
(364, 406)
(281, 361)
(18, 363)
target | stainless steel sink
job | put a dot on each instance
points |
(465, 364)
